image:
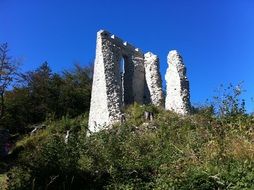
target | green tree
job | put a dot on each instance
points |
(76, 91)
(42, 93)
(8, 70)
(38, 84)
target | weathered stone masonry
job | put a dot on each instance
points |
(178, 96)
(112, 87)
(153, 79)
(122, 75)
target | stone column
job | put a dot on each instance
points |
(178, 95)
(153, 79)
(106, 103)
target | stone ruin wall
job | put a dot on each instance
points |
(112, 88)
(139, 81)
(178, 95)
(153, 79)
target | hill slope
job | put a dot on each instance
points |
(200, 151)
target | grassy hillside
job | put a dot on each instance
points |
(212, 148)
(200, 151)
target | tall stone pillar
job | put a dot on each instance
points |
(153, 79)
(178, 95)
(106, 103)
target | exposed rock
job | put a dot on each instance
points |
(178, 96)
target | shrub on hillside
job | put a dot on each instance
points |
(170, 152)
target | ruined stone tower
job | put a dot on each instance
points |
(178, 96)
(119, 79)
(124, 75)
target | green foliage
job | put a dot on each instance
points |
(3, 182)
(19, 178)
(228, 102)
(172, 152)
(134, 114)
(42, 94)
(210, 149)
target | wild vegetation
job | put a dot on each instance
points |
(212, 148)
(200, 151)
(42, 94)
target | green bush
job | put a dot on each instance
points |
(3, 182)
(198, 151)
(19, 178)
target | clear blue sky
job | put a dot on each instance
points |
(215, 37)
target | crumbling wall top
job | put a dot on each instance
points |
(119, 42)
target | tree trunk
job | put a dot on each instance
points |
(2, 106)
